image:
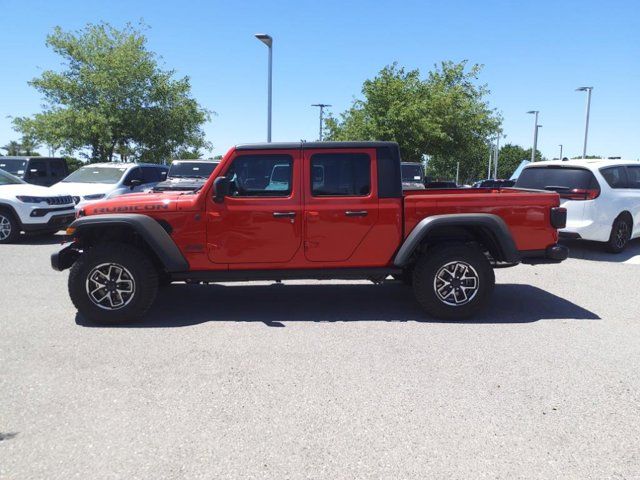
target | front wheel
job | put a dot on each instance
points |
(113, 283)
(9, 227)
(453, 281)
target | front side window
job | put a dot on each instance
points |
(153, 174)
(616, 177)
(7, 179)
(340, 174)
(89, 174)
(260, 176)
(37, 169)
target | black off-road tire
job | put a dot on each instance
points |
(620, 235)
(135, 262)
(440, 259)
(8, 221)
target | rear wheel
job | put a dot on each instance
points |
(453, 282)
(9, 227)
(620, 235)
(113, 283)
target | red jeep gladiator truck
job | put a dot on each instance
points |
(325, 210)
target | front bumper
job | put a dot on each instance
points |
(63, 259)
(552, 254)
(60, 221)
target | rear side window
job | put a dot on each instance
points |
(341, 174)
(556, 179)
(634, 177)
(153, 174)
(58, 168)
(616, 177)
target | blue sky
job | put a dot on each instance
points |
(535, 54)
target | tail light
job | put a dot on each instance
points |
(558, 217)
(580, 194)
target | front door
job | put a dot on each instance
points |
(261, 219)
(341, 205)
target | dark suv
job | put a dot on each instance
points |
(43, 171)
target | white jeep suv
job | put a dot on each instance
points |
(602, 197)
(31, 208)
(98, 181)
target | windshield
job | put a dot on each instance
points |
(556, 178)
(191, 169)
(6, 179)
(14, 166)
(412, 173)
(91, 174)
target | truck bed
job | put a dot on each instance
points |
(526, 212)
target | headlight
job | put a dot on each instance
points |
(96, 196)
(28, 199)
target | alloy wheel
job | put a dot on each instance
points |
(456, 283)
(5, 227)
(622, 234)
(110, 286)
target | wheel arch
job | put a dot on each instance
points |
(487, 229)
(137, 229)
(9, 208)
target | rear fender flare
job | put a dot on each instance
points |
(492, 224)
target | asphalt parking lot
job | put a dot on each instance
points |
(325, 379)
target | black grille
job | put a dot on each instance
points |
(60, 200)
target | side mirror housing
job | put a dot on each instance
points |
(135, 183)
(221, 189)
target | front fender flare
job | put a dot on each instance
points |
(149, 230)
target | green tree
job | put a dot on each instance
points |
(26, 147)
(511, 156)
(111, 96)
(445, 116)
(12, 148)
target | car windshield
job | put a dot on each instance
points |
(556, 178)
(191, 169)
(6, 179)
(13, 166)
(91, 174)
(412, 173)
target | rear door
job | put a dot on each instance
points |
(341, 204)
(634, 204)
(260, 222)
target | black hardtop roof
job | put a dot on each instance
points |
(28, 157)
(314, 145)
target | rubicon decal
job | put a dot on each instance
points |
(132, 208)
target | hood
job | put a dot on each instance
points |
(135, 203)
(31, 190)
(180, 184)
(82, 189)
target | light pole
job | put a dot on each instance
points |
(268, 41)
(495, 161)
(560, 158)
(535, 134)
(322, 106)
(586, 125)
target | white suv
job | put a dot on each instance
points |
(98, 181)
(602, 197)
(31, 208)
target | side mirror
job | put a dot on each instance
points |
(221, 189)
(136, 182)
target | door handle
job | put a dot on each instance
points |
(356, 213)
(284, 214)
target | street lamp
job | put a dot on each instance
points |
(586, 126)
(535, 134)
(322, 106)
(495, 163)
(560, 158)
(268, 41)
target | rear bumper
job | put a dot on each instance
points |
(552, 254)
